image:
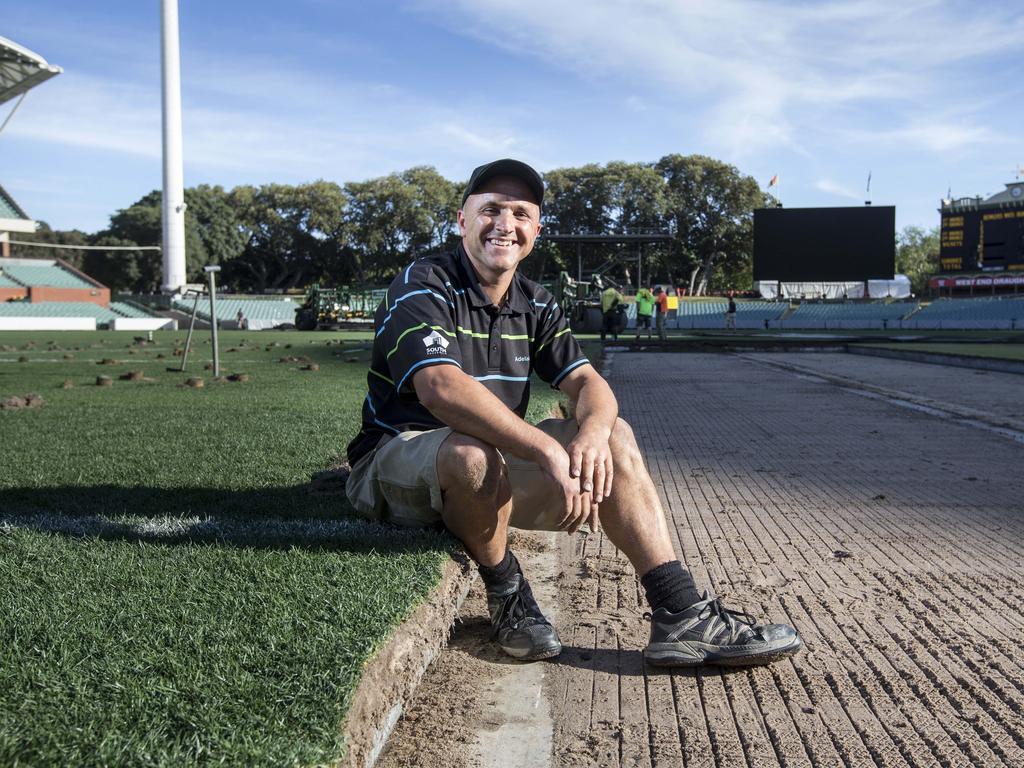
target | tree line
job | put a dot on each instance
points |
(282, 237)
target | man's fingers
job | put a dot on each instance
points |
(575, 461)
(595, 524)
(608, 472)
(599, 483)
(587, 478)
(581, 509)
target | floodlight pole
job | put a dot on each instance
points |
(174, 189)
(211, 271)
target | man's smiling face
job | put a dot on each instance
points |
(499, 224)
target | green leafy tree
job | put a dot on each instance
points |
(293, 235)
(394, 219)
(711, 210)
(917, 255)
(44, 234)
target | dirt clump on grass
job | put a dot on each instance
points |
(16, 403)
(195, 383)
(104, 381)
(135, 376)
(109, 361)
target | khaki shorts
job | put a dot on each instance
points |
(397, 482)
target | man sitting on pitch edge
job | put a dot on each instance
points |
(444, 440)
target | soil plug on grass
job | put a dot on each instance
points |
(15, 403)
(104, 381)
(195, 382)
(161, 356)
(109, 361)
(69, 356)
(22, 359)
(240, 377)
(311, 367)
(68, 384)
(133, 376)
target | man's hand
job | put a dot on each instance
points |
(590, 460)
(576, 505)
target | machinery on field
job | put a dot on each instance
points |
(333, 307)
(581, 301)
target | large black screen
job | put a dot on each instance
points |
(825, 244)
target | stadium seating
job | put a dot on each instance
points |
(711, 314)
(261, 313)
(128, 310)
(873, 315)
(45, 274)
(57, 309)
(995, 313)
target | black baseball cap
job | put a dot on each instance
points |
(506, 167)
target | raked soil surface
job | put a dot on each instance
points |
(891, 536)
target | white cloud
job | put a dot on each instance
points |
(830, 187)
(759, 74)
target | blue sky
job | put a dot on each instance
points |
(924, 95)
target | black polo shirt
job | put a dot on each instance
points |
(436, 313)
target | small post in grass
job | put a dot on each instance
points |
(211, 271)
(191, 327)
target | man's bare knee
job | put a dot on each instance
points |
(467, 464)
(625, 451)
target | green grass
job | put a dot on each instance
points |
(170, 592)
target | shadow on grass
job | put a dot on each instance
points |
(268, 518)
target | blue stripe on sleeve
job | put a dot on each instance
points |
(403, 297)
(421, 363)
(568, 369)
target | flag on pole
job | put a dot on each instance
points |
(774, 182)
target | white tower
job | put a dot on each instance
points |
(174, 187)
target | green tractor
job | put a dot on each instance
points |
(334, 307)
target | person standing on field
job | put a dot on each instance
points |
(610, 301)
(661, 304)
(730, 315)
(644, 311)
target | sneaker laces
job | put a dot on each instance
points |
(515, 611)
(739, 623)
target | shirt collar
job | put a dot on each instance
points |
(517, 301)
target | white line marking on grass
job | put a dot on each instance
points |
(166, 528)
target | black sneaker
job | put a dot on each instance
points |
(709, 633)
(519, 627)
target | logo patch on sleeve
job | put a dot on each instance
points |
(435, 343)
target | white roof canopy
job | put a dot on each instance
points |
(21, 70)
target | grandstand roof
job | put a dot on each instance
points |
(12, 217)
(21, 70)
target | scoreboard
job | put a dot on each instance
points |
(825, 244)
(973, 240)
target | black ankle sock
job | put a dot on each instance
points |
(670, 586)
(500, 573)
